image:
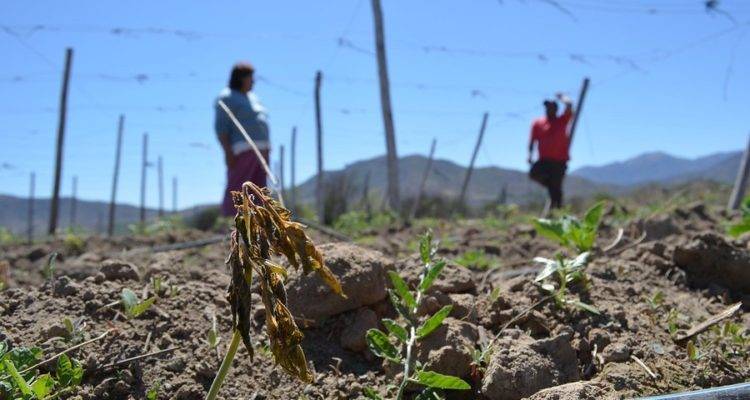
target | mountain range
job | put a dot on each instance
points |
(659, 167)
(487, 185)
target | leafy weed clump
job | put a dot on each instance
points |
(73, 243)
(410, 329)
(20, 379)
(743, 225)
(569, 231)
(356, 223)
(477, 259)
(727, 341)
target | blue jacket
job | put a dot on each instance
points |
(251, 115)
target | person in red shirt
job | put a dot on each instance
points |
(550, 134)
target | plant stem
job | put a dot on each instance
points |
(412, 337)
(224, 368)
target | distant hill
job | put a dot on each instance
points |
(90, 215)
(659, 167)
(445, 181)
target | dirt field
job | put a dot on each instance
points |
(683, 271)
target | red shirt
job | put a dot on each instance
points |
(552, 137)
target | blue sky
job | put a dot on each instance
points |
(666, 75)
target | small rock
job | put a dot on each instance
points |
(521, 366)
(616, 352)
(709, 258)
(453, 278)
(190, 391)
(362, 273)
(431, 305)
(119, 270)
(205, 372)
(36, 253)
(353, 336)
(447, 350)
(582, 390)
(658, 227)
(599, 337)
(53, 330)
(99, 278)
(176, 365)
(464, 306)
(65, 287)
(88, 295)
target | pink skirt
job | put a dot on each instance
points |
(246, 167)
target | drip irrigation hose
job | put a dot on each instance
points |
(732, 392)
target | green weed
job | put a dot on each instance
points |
(743, 225)
(73, 243)
(564, 272)
(477, 259)
(410, 329)
(48, 270)
(134, 306)
(569, 231)
(19, 381)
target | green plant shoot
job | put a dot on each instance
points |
(569, 231)
(410, 329)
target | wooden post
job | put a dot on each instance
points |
(115, 176)
(73, 199)
(467, 178)
(423, 183)
(144, 164)
(281, 171)
(578, 110)
(319, 133)
(740, 183)
(394, 200)
(293, 205)
(160, 178)
(30, 222)
(174, 194)
(60, 139)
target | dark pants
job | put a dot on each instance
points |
(550, 174)
(246, 167)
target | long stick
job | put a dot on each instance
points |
(394, 199)
(73, 200)
(140, 357)
(319, 145)
(578, 110)
(60, 140)
(281, 171)
(467, 178)
(115, 177)
(740, 183)
(253, 146)
(30, 227)
(293, 166)
(144, 164)
(423, 183)
(68, 350)
(160, 177)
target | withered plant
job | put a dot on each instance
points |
(264, 228)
